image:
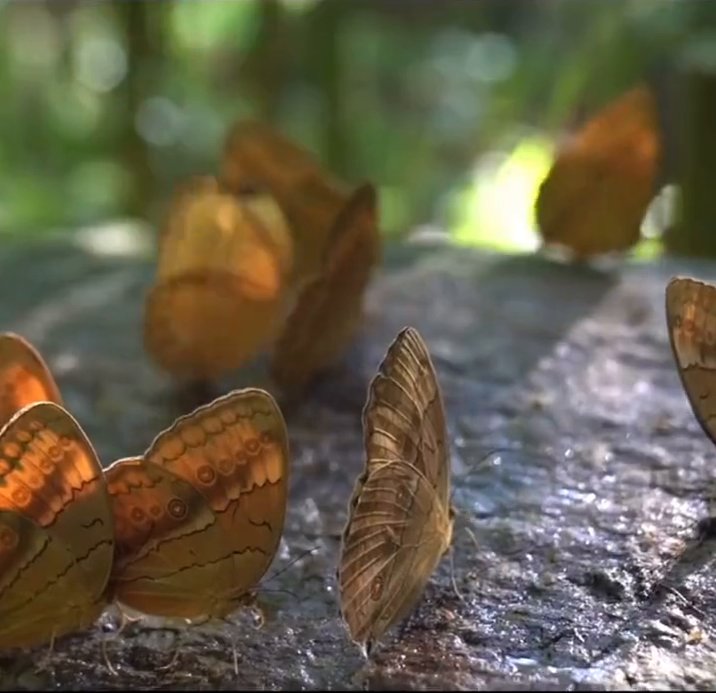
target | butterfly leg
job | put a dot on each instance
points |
(172, 661)
(458, 594)
(44, 663)
(125, 620)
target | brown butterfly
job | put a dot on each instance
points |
(691, 321)
(224, 261)
(24, 376)
(200, 515)
(399, 517)
(329, 307)
(595, 195)
(56, 531)
(309, 195)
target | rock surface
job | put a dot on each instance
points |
(581, 555)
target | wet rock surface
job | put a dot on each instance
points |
(581, 557)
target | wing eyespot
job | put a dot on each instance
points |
(177, 508)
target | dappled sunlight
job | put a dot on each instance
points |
(496, 209)
(129, 238)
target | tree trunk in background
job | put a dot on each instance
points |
(326, 71)
(142, 23)
(265, 67)
(694, 232)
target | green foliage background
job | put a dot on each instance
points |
(106, 106)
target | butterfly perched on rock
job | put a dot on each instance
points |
(597, 191)
(399, 518)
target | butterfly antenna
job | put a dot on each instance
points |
(492, 453)
(293, 595)
(292, 561)
(458, 594)
(687, 602)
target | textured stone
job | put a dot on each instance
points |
(587, 563)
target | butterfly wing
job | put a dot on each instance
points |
(24, 376)
(309, 195)
(404, 416)
(170, 557)
(595, 196)
(210, 229)
(397, 533)
(399, 522)
(57, 525)
(202, 325)
(234, 452)
(223, 264)
(329, 307)
(691, 321)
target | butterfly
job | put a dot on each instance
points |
(399, 517)
(56, 530)
(691, 321)
(24, 376)
(310, 196)
(595, 195)
(223, 264)
(199, 517)
(329, 307)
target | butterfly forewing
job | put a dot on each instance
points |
(24, 377)
(57, 531)
(691, 321)
(329, 308)
(404, 417)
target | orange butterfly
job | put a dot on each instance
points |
(595, 195)
(200, 515)
(224, 262)
(24, 376)
(329, 307)
(56, 533)
(309, 195)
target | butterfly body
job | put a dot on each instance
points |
(399, 517)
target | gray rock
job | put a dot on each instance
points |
(582, 558)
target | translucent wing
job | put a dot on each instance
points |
(596, 194)
(329, 308)
(691, 321)
(56, 527)
(24, 377)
